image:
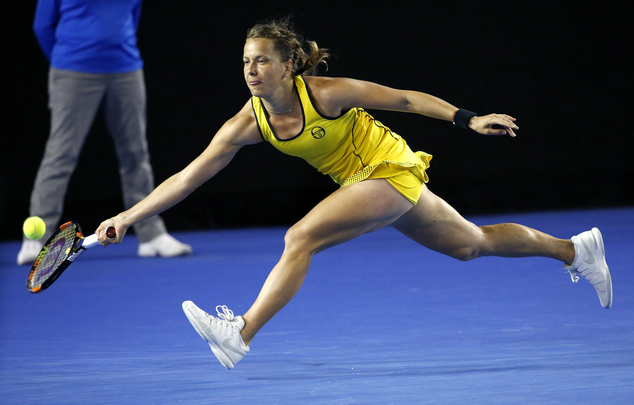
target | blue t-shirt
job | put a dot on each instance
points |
(95, 36)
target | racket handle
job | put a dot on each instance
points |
(93, 240)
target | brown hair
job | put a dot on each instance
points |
(306, 55)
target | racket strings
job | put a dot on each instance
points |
(53, 254)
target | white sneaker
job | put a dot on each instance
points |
(590, 264)
(164, 245)
(29, 251)
(222, 333)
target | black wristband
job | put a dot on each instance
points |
(462, 118)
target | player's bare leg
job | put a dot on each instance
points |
(347, 213)
(436, 225)
(370, 205)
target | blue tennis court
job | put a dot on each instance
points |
(379, 320)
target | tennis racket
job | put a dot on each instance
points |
(59, 251)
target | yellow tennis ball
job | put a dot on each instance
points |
(34, 227)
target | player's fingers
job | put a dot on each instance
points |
(101, 236)
(504, 130)
(496, 124)
(504, 117)
(107, 235)
(497, 132)
(504, 120)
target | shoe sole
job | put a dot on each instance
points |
(596, 233)
(215, 347)
(185, 252)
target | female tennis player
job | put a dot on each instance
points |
(323, 121)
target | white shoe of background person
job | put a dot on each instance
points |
(29, 251)
(164, 245)
(590, 264)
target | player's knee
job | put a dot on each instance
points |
(473, 248)
(465, 253)
(297, 239)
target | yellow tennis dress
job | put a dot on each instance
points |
(349, 148)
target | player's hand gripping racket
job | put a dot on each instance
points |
(59, 251)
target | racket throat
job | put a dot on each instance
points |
(76, 254)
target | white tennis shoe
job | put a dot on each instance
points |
(590, 264)
(164, 245)
(29, 251)
(222, 333)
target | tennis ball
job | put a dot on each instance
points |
(34, 227)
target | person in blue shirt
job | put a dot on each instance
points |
(94, 63)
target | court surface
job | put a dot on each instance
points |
(379, 320)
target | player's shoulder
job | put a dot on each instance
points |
(246, 112)
(320, 82)
(243, 118)
(326, 81)
(331, 94)
(329, 86)
(243, 125)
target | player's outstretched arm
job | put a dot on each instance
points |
(239, 131)
(337, 94)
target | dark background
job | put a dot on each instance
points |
(562, 68)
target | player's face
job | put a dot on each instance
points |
(263, 68)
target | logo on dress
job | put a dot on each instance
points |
(318, 132)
